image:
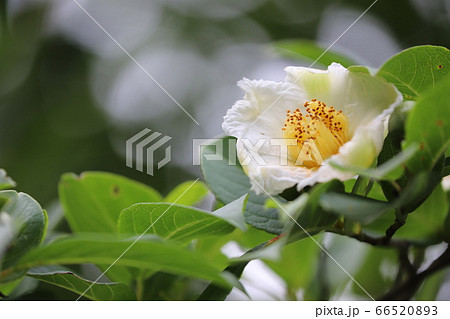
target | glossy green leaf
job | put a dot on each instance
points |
(31, 219)
(446, 235)
(224, 176)
(188, 193)
(355, 207)
(428, 220)
(362, 185)
(248, 239)
(359, 69)
(312, 213)
(270, 250)
(430, 287)
(6, 181)
(171, 222)
(161, 286)
(70, 281)
(145, 253)
(388, 152)
(298, 264)
(214, 292)
(417, 69)
(93, 201)
(259, 216)
(309, 50)
(234, 213)
(228, 182)
(311, 218)
(396, 128)
(415, 192)
(375, 272)
(217, 292)
(428, 126)
(446, 169)
(389, 170)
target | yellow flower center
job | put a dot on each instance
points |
(319, 132)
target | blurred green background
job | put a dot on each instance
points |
(70, 97)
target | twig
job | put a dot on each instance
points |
(409, 287)
(374, 241)
(393, 229)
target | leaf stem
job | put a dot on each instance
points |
(396, 186)
(140, 288)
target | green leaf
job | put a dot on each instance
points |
(224, 176)
(446, 234)
(6, 181)
(428, 126)
(246, 240)
(431, 286)
(228, 182)
(362, 185)
(387, 153)
(264, 218)
(391, 167)
(171, 222)
(359, 69)
(358, 208)
(145, 253)
(161, 286)
(310, 216)
(417, 190)
(233, 213)
(417, 69)
(428, 220)
(446, 169)
(298, 264)
(218, 292)
(389, 170)
(6, 289)
(93, 201)
(215, 292)
(31, 219)
(188, 193)
(374, 273)
(304, 49)
(396, 128)
(70, 281)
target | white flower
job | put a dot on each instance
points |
(292, 129)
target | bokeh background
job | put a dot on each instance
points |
(70, 97)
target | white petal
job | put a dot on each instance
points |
(446, 183)
(326, 86)
(275, 179)
(369, 98)
(262, 112)
(269, 174)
